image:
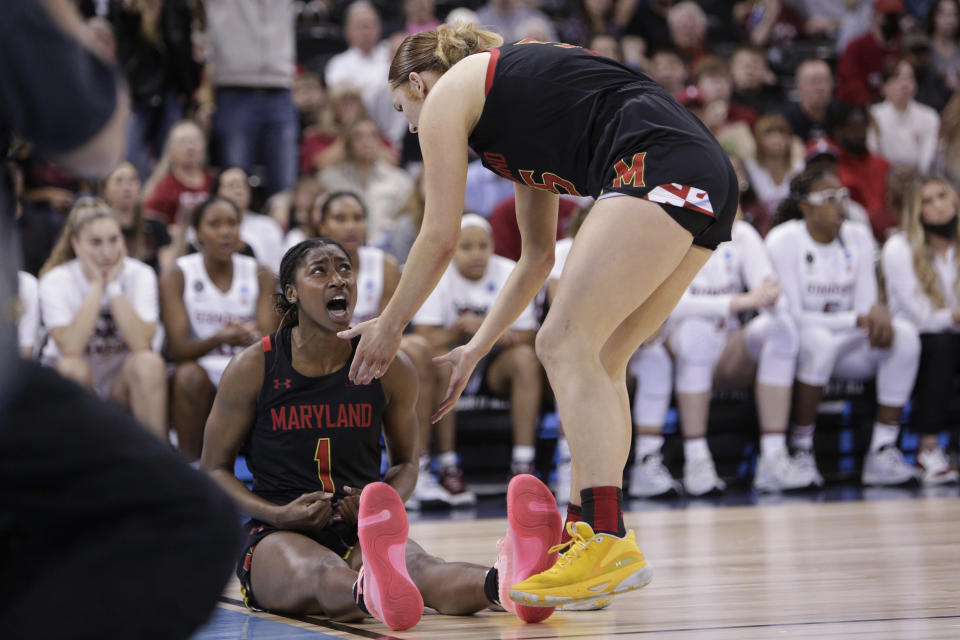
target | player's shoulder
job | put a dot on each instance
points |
(745, 232)
(784, 234)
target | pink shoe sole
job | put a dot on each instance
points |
(388, 592)
(533, 527)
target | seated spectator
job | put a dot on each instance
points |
(506, 16)
(931, 89)
(942, 24)
(291, 209)
(45, 194)
(259, 232)
(383, 187)
(309, 97)
(311, 226)
(421, 15)
(180, 181)
(751, 207)
(754, 84)
(863, 173)
(715, 83)
(451, 316)
(688, 33)
(649, 22)
(839, 22)
(776, 163)
(253, 58)
(860, 68)
(920, 271)
(506, 232)
(99, 308)
(735, 136)
(807, 116)
(770, 24)
(826, 270)
(590, 19)
(906, 131)
(367, 59)
(667, 68)
(948, 153)
(214, 303)
(608, 46)
(713, 349)
(147, 239)
(323, 145)
(28, 323)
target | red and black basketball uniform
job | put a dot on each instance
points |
(563, 119)
(312, 434)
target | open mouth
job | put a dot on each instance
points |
(337, 307)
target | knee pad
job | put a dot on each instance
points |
(696, 345)
(653, 369)
(779, 345)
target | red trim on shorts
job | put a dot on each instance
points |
(267, 345)
(491, 69)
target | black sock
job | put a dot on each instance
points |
(491, 586)
(358, 598)
(603, 509)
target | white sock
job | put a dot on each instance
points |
(802, 437)
(447, 459)
(563, 449)
(696, 449)
(883, 435)
(523, 453)
(772, 444)
(646, 445)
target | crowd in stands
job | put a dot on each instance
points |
(259, 124)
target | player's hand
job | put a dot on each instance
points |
(767, 292)
(235, 334)
(349, 507)
(309, 512)
(377, 349)
(879, 327)
(464, 359)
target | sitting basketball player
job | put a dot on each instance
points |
(312, 443)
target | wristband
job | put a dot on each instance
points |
(113, 289)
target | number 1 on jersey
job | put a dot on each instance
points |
(323, 459)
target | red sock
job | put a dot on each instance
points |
(603, 509)
(574, 514)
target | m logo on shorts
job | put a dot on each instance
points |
(630, 174)
(678, 195)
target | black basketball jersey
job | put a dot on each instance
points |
(312, 434)
(561, 118)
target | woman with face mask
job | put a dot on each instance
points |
(920, 266)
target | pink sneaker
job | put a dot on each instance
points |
(388, 592)
(533, 526)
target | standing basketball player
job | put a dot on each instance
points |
(312, 441)
(558, 119)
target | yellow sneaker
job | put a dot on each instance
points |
(593, 566)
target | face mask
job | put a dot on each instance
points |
(944, 230)
(891, 26)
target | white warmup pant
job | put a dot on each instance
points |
(847, 354)
(652, 366)
(772, 340)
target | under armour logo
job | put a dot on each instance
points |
(277, 383)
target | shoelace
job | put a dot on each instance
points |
(577, 543)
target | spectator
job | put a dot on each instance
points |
(931, 89)
(181, 180)
(450, 317)
(506, 232)
(776, 163)
(688, 32)
(839, 22)
(770, 24)
(942, 24)
(506, 16)
(255, 118)
(421, 15)
(485, 189)
(366, 61)
(948, 154)
(906, 131)
(715, 83)
(310, 227)
(826, 269)
(591, 18)
(155, 50)
(808, 114)
(214, 303)
(99, 308)
(606, 45)
(751, 208)
(862, 172)
(649, 22)
(754, 84)
(860, 68)
(309, 97)
(920, 270)
(291, 209)
(28, 323)
(45, 193)
(384, 188)
(259, 232)
(667, 68)
(147, 239)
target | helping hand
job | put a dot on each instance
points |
(377, 349)
(464, 359)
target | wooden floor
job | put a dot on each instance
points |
(871, 569)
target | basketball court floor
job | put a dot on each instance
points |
(842, 563)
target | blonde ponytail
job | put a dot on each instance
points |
(439, 49)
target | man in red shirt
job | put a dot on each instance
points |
(861, 64)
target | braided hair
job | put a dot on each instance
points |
(800, 186)
(288, 274)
